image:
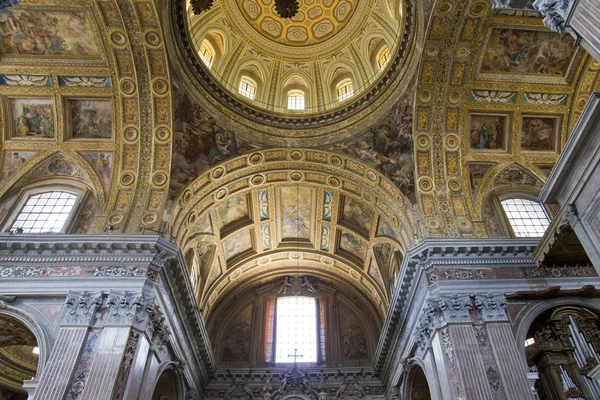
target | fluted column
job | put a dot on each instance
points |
(475, 352)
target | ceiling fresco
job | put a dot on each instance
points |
(89, 99)
(274, 211)
(495, 93)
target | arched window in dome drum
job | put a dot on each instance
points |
(345, 89)
(247, 88)
(207, 53)
(295, 100)
(383, 57)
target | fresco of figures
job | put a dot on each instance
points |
(32, 118)
(538, 133)
(102, 163)
(32, 32)
(199, 143)
(528, 52)
(91, 118)
(387, 147)
(488, 131)
(13, 161)
(235, 345)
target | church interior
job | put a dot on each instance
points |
(299, 199)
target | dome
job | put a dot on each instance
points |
(325, 69)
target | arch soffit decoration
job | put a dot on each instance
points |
(133, 74)
(333, 191)
(456, 68)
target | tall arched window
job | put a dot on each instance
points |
(345, 89)
(295, 100)
(46, 212)
(527, 218)
(207, 53)
(247, 88)
(383, 57)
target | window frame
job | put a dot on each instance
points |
(521, 196)
(17, 208)
(208, 45)
(296, 93)
(321, 331)
(348, 94)
(249, 80)
(383, 50)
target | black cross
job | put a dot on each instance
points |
(295, 355)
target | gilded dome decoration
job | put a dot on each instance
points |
(329, 51)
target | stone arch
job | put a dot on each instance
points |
(417, 385)
(168, 385)
(42, 337)
(528, 314)
(345, 204)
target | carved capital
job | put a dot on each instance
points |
(125, 308)
(81, 308)
(555, 13)
(571, 215)
(157, 329)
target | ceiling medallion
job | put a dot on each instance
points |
(198, 6)
(287, 8)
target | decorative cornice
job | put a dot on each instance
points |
(81, 250)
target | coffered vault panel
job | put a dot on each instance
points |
(270, 212)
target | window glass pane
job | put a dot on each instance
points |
(527, 217)
(345, 90)
(296, 100)
(42, 212)
(296, 329)
(207, 54)
(383, 57)
(247, 88)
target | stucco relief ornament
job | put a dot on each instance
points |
(287, 8)
(199, 6)
(8, 3)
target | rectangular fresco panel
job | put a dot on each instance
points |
(527, 52)
(488, 131)
(237, 243)
(296, 212)
(91, 118)
(384, 229)
(357, 214)
(32, 118)
(234, 209)
(25, 80)
(539, 133)
(353, 244)
(13, 161)
(263, 204)
(327, 205)
(48, 33)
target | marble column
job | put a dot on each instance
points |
(78, 315)
(475, 352)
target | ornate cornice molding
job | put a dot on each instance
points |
(80, 250)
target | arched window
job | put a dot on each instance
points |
(207, 53)
(247, 88)
(295, 100)
(344, 89)
(527, 218)
(46, 212)
(383, 57)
